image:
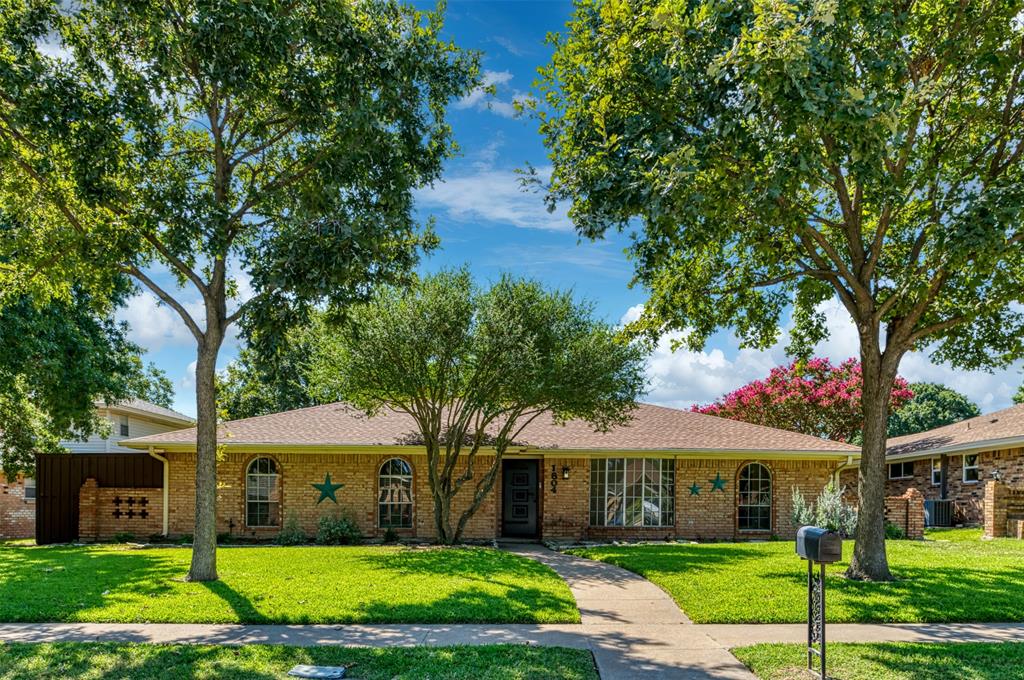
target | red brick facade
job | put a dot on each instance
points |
(907, 513)
(17, 514)
(1004, 510)
(563, 503)
(968, 497)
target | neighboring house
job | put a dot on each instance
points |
(668, 474)
(133, 418)
(953, 462)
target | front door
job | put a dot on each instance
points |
(519, 499)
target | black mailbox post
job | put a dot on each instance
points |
(821, 547)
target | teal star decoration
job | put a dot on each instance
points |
(695, 489)
(327, 489)
(718, 484)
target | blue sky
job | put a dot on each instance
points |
(486, 221)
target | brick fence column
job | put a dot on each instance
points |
(915, 513)
(995, 509)
(88, 507)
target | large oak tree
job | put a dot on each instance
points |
(275, 141)
(778, 153)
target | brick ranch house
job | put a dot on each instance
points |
(132, 418)
(669, 473)
(954, 462)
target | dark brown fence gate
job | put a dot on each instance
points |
(60, 476)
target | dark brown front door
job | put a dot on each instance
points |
(519, 499)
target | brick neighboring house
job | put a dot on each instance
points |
(669, 473)
(953, 462)
(129, 419)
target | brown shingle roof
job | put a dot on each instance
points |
(654, 428)
(991, 428)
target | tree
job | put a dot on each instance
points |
(255, 384)
(776, 155)
(58, 360)
(151, 384)
(813, 397)
(226, 143)
(473, 368)
(1018, 397)
(932, 406)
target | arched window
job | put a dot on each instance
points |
(755, 498)
(394, 502)
(262, 494)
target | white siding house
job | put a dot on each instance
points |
(130, 419)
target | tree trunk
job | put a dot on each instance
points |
(204, 540)
(869, 561)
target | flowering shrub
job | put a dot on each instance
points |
(813, 397)
(830, 511)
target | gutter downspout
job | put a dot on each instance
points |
(167, 479)
(835, 473)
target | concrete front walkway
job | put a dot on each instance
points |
(634, 628)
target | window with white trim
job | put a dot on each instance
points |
(904, 470)
(30, 488)
(262, 494)
(123, 426)
(754, 503)
(971, 472)
(632, 492)
(394, 502)
(936, 471)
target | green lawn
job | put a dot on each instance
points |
(952, 576)
(281, 585)
(257, 662)
(892, 661)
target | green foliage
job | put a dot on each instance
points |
(151, 384)
(124, 537)
(1018, 397)
(91, 661)
(274, 584)
(58, 359)
(262, 382)
(291, 533)
(894, 532)
(932, 406)
(472, 368)
(955, 577)
(390, 535)
(830, 511)
(773, 156)
(337, 530)
(892, 660)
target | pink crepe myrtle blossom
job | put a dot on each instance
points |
(813, 396)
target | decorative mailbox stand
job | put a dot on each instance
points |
(821, 547)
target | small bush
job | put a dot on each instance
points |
(338, 530)
(390, 535)
(894, 532)
(291, 532)
(830, 511)
(123, 537)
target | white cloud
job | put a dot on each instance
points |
(494, 196)
(510, 47)
(154, 325)
(188, 381)
(481, 100)
(683, 378)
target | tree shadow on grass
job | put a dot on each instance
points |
(930, 661)
(54, 583)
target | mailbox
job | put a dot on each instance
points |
(819, 545)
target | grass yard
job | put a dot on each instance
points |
(952, 576)
(131, 661)
(281, 585)
(892, 661)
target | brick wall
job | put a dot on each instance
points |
(17, 515)
(104, 512)
(968, 497)
(564, 509)
(907, 512)
(1004, 510)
